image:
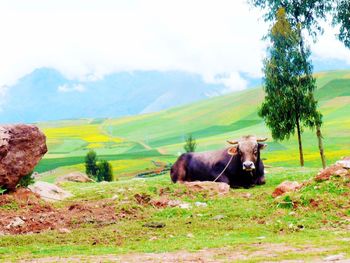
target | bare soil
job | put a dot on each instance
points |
(39, 216)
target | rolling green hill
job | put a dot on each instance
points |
(131, 143)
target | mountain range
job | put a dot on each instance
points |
(46, 94)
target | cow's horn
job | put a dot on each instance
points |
(261, 139)
(232, 142)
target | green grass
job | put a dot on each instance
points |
(245, 220)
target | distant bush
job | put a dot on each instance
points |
(104, 171)
(190, 145)
(26, 180)
(91, 164)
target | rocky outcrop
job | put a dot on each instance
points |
(21, 148)
(77, 177)
(286, 187)
(49, 192)
(340, 169)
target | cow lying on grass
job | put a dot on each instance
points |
(239, 165)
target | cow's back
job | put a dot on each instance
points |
(199, 166)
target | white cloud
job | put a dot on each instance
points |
(327, 47)
(71, 88)
(86, 39)
(232, 81)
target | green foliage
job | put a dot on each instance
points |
(2, 190)
(286, 202)
(104, 171)
(342, 17)
(308, 14)
(90, 164)
(26, 180)
(305, 14)
(190, 145)
(288, 85)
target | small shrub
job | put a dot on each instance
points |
(286, 202)
(26, 180)
(104, 171)
(2, 190)
(190, 145)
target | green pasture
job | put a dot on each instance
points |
(247, 219)
(150, 136)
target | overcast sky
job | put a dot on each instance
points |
(86, 39)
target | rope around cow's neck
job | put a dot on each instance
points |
(224, 169)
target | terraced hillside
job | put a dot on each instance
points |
(131, 143)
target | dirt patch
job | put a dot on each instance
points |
(264, 252)
(36, 215)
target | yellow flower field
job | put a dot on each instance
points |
(92, 134)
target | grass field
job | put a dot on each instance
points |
(137, 140)
(246, 225)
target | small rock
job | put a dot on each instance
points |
(115, 197)
(212, 188)
(64, 231)
(153, 238)
(247, 195)
(16, 222)
(190, 235)
(286, 186)
(334, 257)
(218, 217)
(173, 203)
(185, 206)
(344, 163)
(262, 237)
(2, 233)
(77, 177)
(200, 204)
(341, 172)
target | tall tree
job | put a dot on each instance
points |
(90, 164)
(305, 15)
(289, 103)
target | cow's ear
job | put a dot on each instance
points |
(232, 150)
(262, 146)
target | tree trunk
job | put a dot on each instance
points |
(300, 144)
(320, 146)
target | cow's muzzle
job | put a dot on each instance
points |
(248, 166)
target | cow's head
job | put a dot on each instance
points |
(248, 149)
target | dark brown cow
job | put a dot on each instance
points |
(244, 168)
